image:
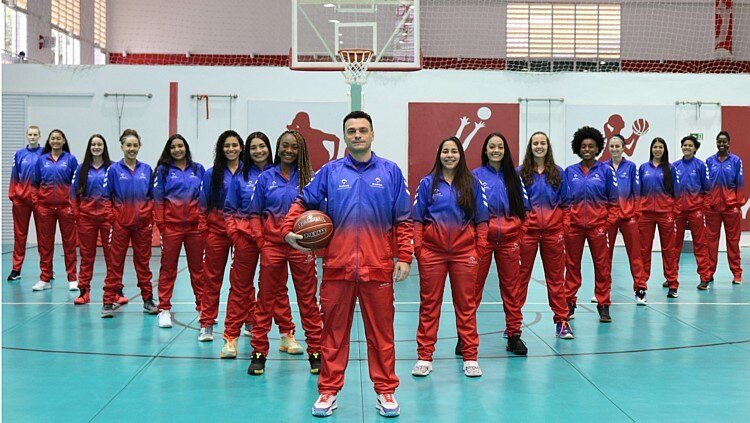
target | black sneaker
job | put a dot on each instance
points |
(257, 364)
(711, 280)
(459, 348)
(665, 284)
(703, 286)
(571, 311)
(314, 360)
(108, 310)
(640, 297)
(149, 306)
(14, 275)
(604, 316)
(516, 345)
(672, 293)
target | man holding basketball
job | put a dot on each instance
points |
(368, 201)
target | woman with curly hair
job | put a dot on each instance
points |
(591, 209)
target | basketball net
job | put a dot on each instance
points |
(355, 63)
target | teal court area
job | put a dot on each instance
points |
(685, 359)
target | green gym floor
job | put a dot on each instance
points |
(684, 359)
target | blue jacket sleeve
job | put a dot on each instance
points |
(402, 205)
(419, 213)
(258, 199)
(482, 213)
(316, 192)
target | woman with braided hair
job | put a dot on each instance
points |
(274, 193)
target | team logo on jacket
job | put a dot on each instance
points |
(123, 176)
(377, 184)
(273, 185)
(344, 185)
(472, 260)
(142, 176)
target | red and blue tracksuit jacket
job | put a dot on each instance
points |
(22, 175)
(591, 198)
(237, 202)
(693, 183)
(369, 205)
(628, 188)
(447, 228)
(94, 201)
(52, 179)
(653, 196)
(177, 195)
(271, 200)
(726, 180)
(213, 220)
(501, 224)
(131, 194)
(546, 202)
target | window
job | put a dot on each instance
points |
(66, 15)
(66, 49)
(14, 34)
(100, 23)
(563, 31)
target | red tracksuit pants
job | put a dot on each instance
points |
(551, 247)
(48, 218)
(119, 239)
(21, 217)
(273, 280)
(507, 259)
(337, 300)
(700, 248)
(241, 304)
(732, 220)
(245, 257)
(172, 238)
(632, 237)
(598, 240)
(433, 269)
(89, 229)
(647, 227)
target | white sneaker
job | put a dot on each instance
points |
(207, 334)
(387, 405)
(73, 286)
(325, 405)
(422, 368)
(41, 286)
(471, 369)
(593, 300)
(165, 319)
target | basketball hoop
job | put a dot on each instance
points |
(355, 63)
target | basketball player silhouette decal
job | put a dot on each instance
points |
(614, 126)
(319, 154)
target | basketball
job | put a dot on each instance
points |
(640, 126)
(316, 229)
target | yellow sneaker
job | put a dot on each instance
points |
(289, 345)
(229, 350)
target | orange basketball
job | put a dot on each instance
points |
(316, 229)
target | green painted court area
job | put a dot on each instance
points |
(684, 359)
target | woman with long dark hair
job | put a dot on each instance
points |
(177, 184)
(507, 203)
(450, 235)
(659, 187)
(241, 304)
(129, 188)
(629, 194)
(51, 195)
(592, 208)
(274, 193)
(214, 190)
(545, 186)
(92, 209)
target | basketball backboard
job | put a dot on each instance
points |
(321, 28)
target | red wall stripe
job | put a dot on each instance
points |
(172, 108)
